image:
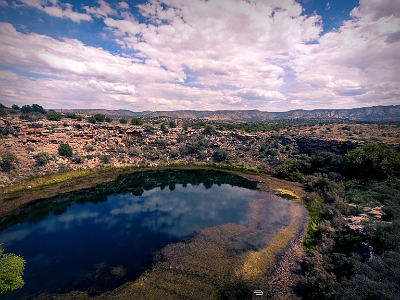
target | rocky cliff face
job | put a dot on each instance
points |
(114, 144)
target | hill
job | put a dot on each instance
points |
(375, 113)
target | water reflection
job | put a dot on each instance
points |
(69, 240)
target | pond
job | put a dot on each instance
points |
(96, 239)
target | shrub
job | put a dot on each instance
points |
(172, 124)
(71, 115)
(7, 161)
(42, 158)
(123, 121)
(164, 128)
(26, 109)
(105, 159)
(99, 118)
(137, 121)
(11, 270)
(220, 155)
(53, 115)
(78, 159)
(88, 148)
(373, 161)
(65, 150)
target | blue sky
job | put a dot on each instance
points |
(271, 55)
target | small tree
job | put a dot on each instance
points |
(26, 109)
(65, 150)
(172, 124)
(123, 121)
(11, 271)
(15, 107)
(164, 128)
(38, 108)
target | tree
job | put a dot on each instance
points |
(65, 150)
(373, 161)
(11, 270)
(26, 109)
(123, 121)
(15, 107)
(53, 115)
(38, 108)
(172, 124)
(164, 128)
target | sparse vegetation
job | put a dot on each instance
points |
(65, 150)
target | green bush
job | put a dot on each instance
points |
(123, 121)
(38, 108)
(376, 162)
(137, 121)
(42, 158)
(65, 150)
(99, 118)
(11, 271)
(220, 155)
(26, 109)
(53, 115)
(7, 161)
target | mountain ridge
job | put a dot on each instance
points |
(373, 113)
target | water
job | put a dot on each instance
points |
(99, 238)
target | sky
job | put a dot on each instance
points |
(270, 55)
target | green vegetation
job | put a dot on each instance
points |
(53, 115)
(11, 271)
(42, 158)
(358, 261)
(123, 121)
(137, 121)
(220, 155)
(7, 161)
(65, 150)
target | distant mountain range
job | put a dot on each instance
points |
(375, 113)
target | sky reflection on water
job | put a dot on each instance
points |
(63, 250)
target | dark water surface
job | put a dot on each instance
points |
(98, 238)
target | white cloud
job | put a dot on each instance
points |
(210, 55)
(103, 11)
(55, 10)
(354, 61)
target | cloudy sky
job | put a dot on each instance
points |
(271, 55)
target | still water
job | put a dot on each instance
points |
(99, 238)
